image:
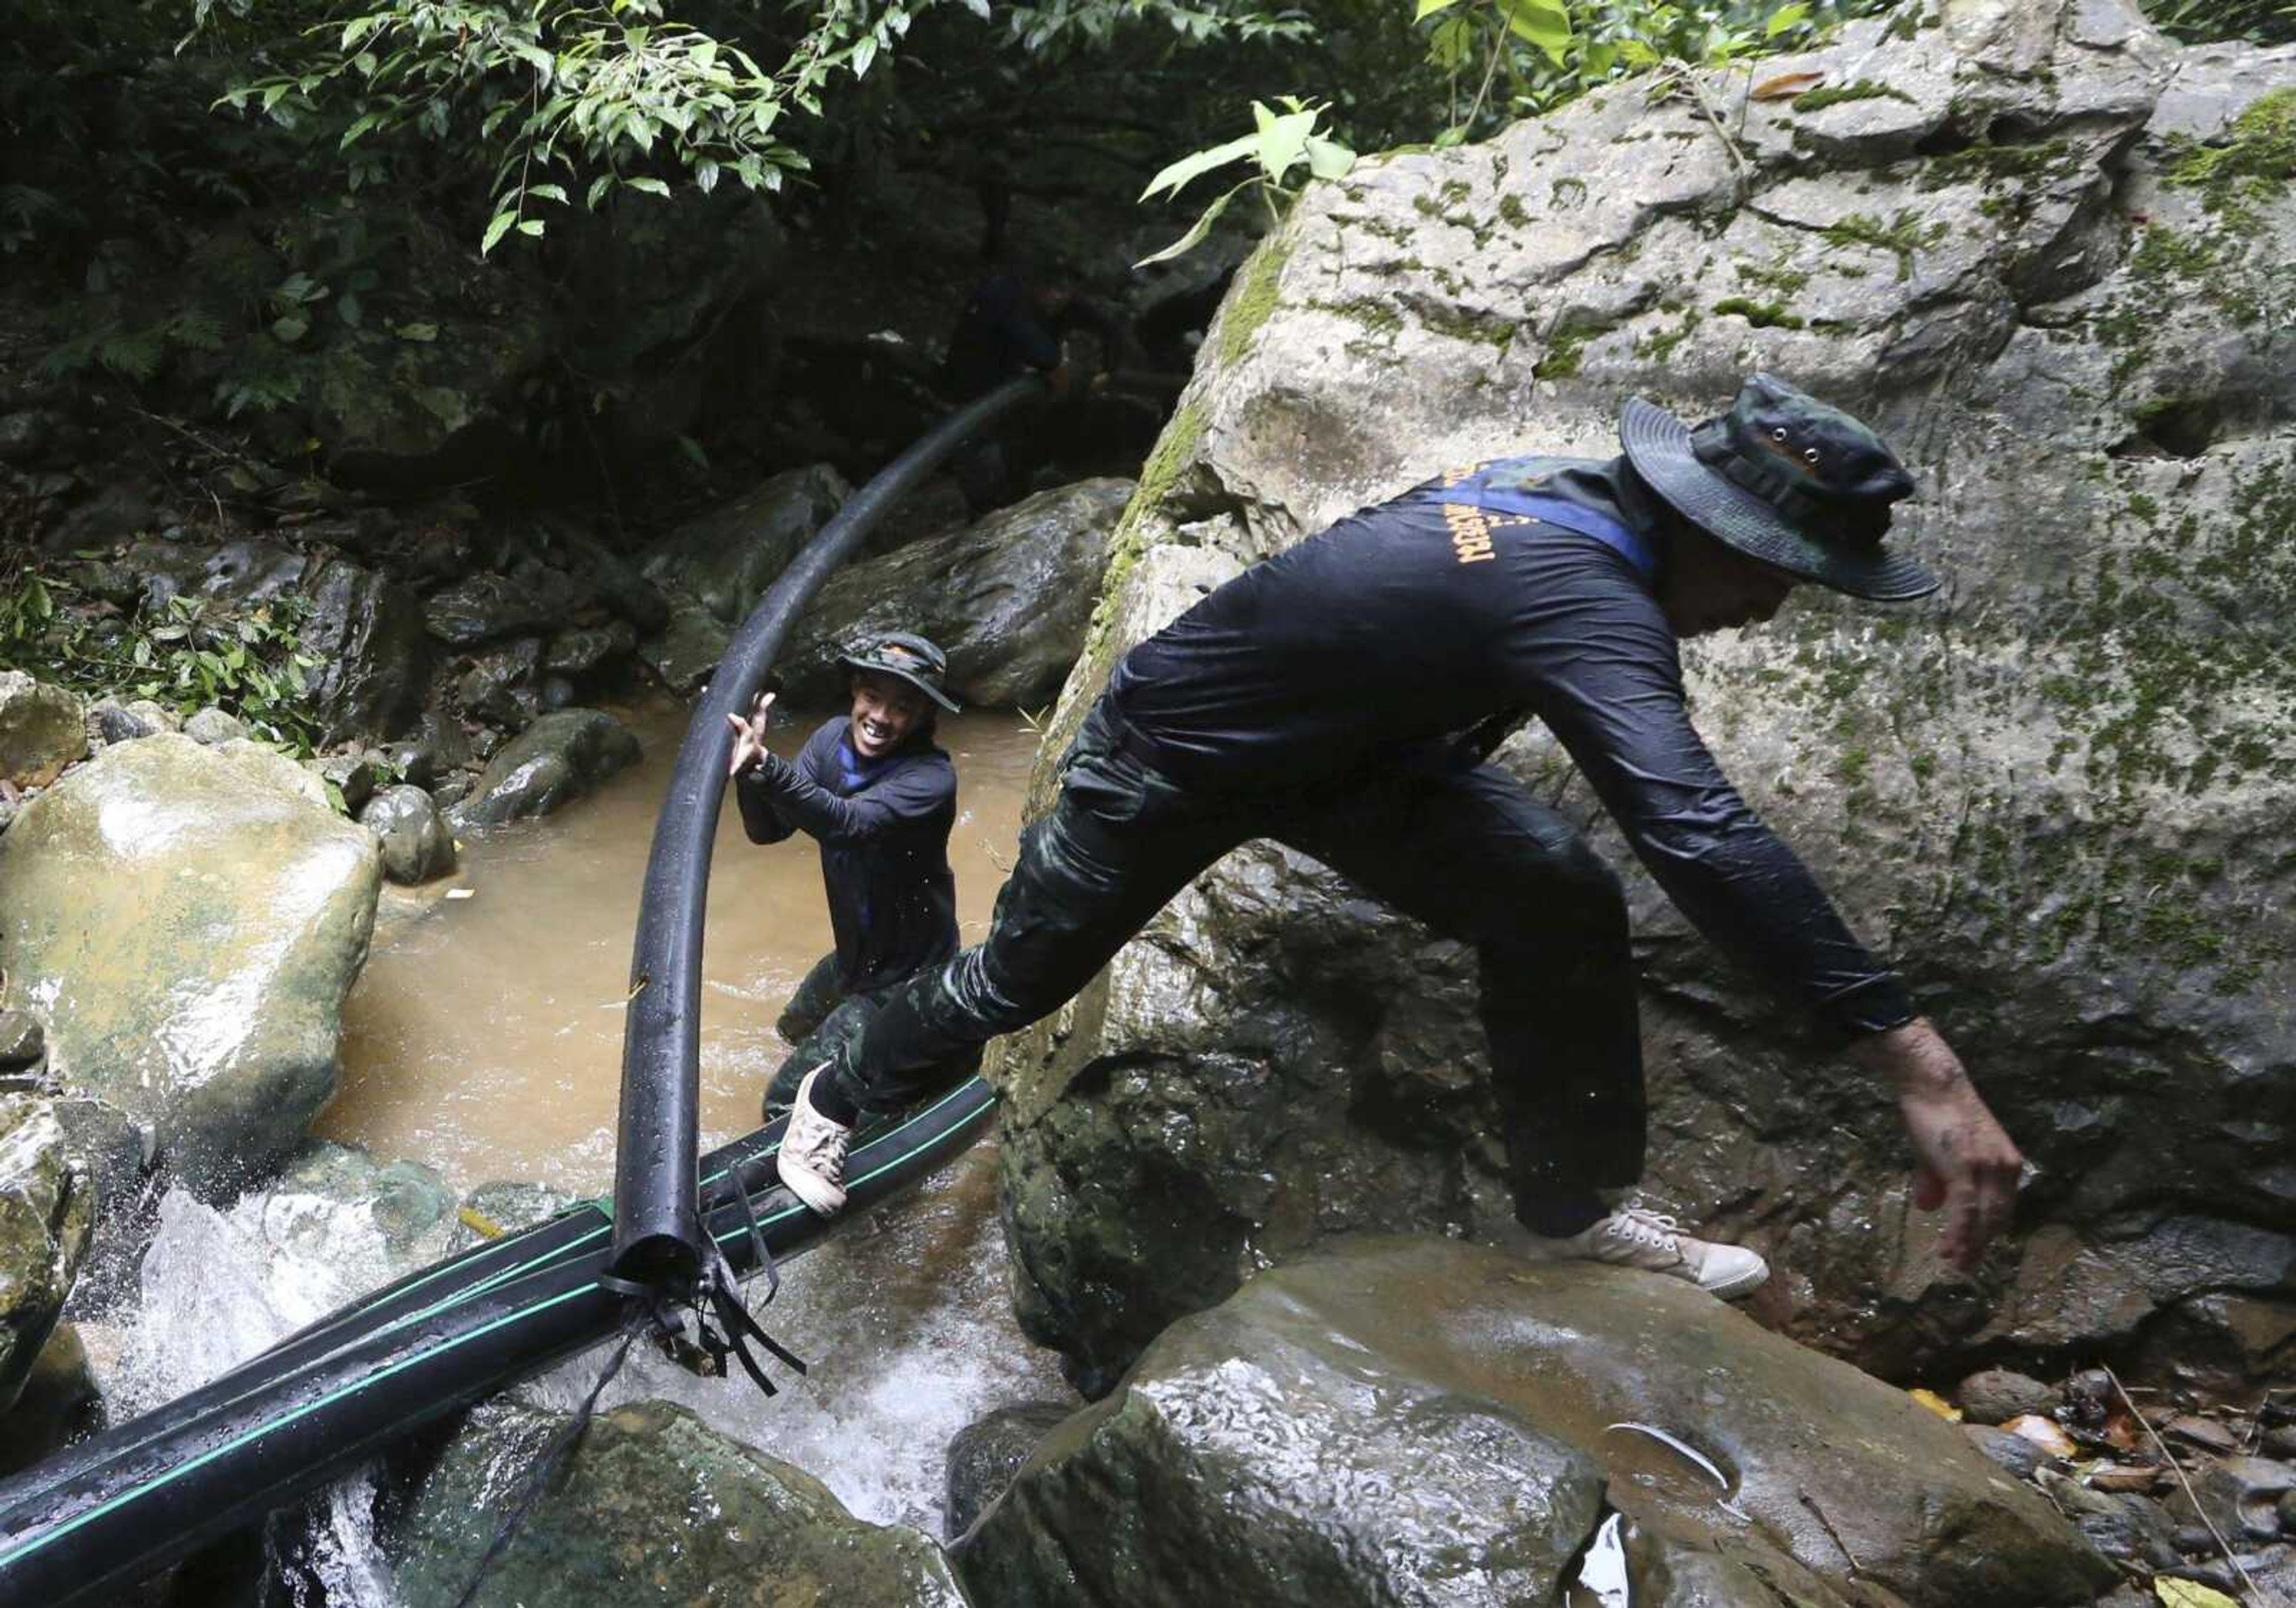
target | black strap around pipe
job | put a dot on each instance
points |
(657, 1226)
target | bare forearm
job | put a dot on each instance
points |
(1915, 1058)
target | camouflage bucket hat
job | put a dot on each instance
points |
(1784, 478)
(909, 658)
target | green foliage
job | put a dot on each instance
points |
(1281, 142)
(2210, 21)
(1529, 56)
(572, 99)
(188, 654)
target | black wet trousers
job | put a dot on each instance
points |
(1467, 850)
(824, 1022)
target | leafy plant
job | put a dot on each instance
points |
(577, 96)
(1535, 54)
(1281, 142)
(188, 653)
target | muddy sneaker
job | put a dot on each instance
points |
(812, 1159)
(1632, 1238)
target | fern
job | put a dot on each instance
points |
(253, 388)
(134, 353)
(197, 329)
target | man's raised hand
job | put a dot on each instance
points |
(748, 736)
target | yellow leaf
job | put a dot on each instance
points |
(479, 1223)
(2191, 1594)
(1786, 85)
(1936, 1404)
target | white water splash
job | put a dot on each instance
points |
(903, 1319)
(219, 1287)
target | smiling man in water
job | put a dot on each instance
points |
(872, 789)
(1341, 697)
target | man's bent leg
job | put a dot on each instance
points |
(830, 1036)
(818, 994)
(1118, 843)
(1473, 854)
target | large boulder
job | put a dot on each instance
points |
(1008, 599)
(713, 569)
(43, 729)
(558, 759)
(2037, 245)
(651, 1506)
(46, 1209)
(186, 921)
(1414, 1421)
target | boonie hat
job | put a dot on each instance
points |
(910, 659)
(1784, 478)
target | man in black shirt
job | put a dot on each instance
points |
(1341, 696)
(878, 796)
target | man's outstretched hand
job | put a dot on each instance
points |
(1963, 1161)
(748, 736)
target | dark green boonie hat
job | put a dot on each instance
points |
(1786, 479)
(909, 658)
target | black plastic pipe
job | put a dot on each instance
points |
(656, 1233)
(129, 1501)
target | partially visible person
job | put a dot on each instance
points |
(1013, 324)
(880, 798)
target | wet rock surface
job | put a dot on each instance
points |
(1007, 599)
(43, 729)
(416, 845)
(2013, 266)
(557, 759)
(47, 1214)
(58, 1404)
(988, 1452)
(366, 631)
(1419, 1421)
(712, 569)
(185, 920)
(650, 1507)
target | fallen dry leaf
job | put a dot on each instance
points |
(1936, 1404)
(2043, 1432)
(1786, 85)
(2191, 1594)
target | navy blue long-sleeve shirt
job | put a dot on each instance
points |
(883, 829)
(1403, 624)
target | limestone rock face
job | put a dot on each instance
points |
(556, 760)
(2047, 254)
(1007, 599)
(652, 1506)
(46, 1211)
(185, 920)
(1414, 1421)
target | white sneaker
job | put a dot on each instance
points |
(1633, 1237)
(812, 1159)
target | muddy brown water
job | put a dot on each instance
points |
(484, 1035)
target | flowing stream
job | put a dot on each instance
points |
(483, 1039)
